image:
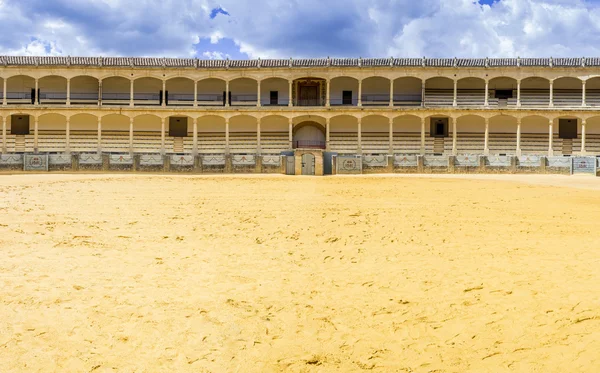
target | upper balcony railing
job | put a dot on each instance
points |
(432, 98)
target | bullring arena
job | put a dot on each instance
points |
(158, 229)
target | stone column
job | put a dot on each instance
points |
(455, 101)
(551, 104)
(422, 93)
(391, 136)
(227, 136)
(258, 104)
(131, 135)
(290, 133)
(4, 92)
(164, 94)
(391, 92)
(487, 94)
(68, 136)
(422, 136)
(518, 137)
(583, 123)
(359, 136)
(99, 135)
(359, 92)
(550, 137)
(162, 136)
(4, 133)
(195, 93)
(100, 93)
(131, 93)
(195, 137)
(328, 93)
(258, 147)
(37, 93)
(486, 141)
(454, 135)
(227, 103)
(68, 92)
(35, 134)
(583, 93)
(519, 93)
(327, 131)
(290, 99)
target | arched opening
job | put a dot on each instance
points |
(439, 91)
(116, 91)
(309, 91)
(343, 91)
(503, 135)
(343, 134)
(407, 135)
(309, 135)
(20, 89)
(53, 90)
(375, 134)
(535, 135)
(470, 92)
(470, 134)
(274, 134)
(147, 134)
(52, 133)
(211, 92)
(274, 92)
(243, 135)
(502, 91)
(147, 91)
(180, 92)
(211, 134)
(243, 92)
(83, 133)
(535, 92)
(84, 90)
(592, 136)
(375, 91)
(408, 91)
(592, 92)
(567, 92)
(115, 133)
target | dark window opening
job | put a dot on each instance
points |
(567, 128)
(347, 98)
(178, 127)
(274, 98)
(504, 94)
(439, 127)
(19, 125)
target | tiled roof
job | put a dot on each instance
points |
(306, 62)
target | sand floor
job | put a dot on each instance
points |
(150, 273)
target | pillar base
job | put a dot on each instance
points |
(197, 164)
(543, 165)
(228, 164)
(513, 164)
(451, 164)
(105, 162)
(75, 162)
(420, 164)
(166, 163)
(136, 162)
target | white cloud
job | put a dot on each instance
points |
(308, 28)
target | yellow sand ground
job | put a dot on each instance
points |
(130, 273)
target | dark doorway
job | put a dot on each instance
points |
(504, 94)
(567, 128)
(346, 97)
(309, 95)
(19, 124)
(273, 98)
(178, 127)
(439, 127)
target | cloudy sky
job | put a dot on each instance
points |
(241, 29)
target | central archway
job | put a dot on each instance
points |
(309, 134)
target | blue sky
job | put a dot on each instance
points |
(301, 28)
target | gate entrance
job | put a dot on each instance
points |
(308, 164)
(567, 128)
(290, 165)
